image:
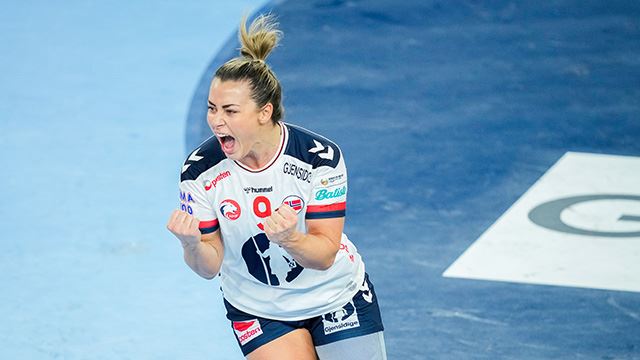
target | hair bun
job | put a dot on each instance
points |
(261, 37)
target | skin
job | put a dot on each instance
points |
(233, 112)
(257, 138)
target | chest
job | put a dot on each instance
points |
(242, 200)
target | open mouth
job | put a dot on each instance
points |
(227, 142)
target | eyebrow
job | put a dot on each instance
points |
(223, 106)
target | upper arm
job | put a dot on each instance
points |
(331, 228)
(327, 205)
(194, 201)
(214, 239)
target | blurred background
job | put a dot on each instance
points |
(447, 113)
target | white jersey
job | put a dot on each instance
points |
(258, 276)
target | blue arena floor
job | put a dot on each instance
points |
(447, 113)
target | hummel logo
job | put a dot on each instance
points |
(319, 147)
(194, 157)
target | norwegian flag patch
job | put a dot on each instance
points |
(295, 202)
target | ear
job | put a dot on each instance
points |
(265, 113)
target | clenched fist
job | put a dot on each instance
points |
(281, 225)
(185, 228)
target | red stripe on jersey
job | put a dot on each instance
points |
(326, 208)
(208, 224)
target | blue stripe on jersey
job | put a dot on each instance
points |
(325, 215)
(209, 230)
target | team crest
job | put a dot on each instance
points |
(295, 202)
(268, 263)
(230, 209)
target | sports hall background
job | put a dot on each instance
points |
(447, 113)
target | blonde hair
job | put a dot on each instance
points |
(256, 43)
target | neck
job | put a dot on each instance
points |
(265, 148)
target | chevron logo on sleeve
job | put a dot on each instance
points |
(319, 147)
(194, 157)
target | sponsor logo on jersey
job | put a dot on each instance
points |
(230, 209)
(252, 190)
(342, 319)
(326, 194)
(331, 180)
(297, 171)
(295, 202)
(213, 183)
(247, 330)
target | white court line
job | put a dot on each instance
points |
(576, 226)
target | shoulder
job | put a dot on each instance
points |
(312, 148)
(203, 158)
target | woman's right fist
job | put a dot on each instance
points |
(185, 228)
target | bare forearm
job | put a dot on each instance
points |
(203, 259)
(312, 251)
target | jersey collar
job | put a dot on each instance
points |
(284, 137)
